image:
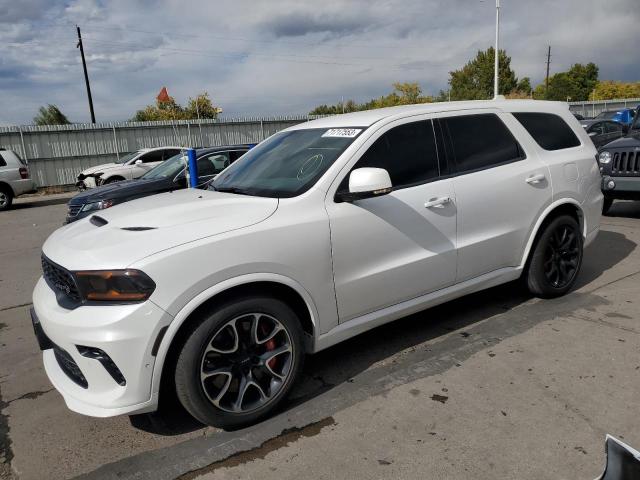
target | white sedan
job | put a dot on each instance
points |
(130, 166)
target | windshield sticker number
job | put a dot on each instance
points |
(342, 132)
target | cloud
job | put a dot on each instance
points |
(269, 58)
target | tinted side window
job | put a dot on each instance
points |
(236, 154)
(213, 164)
(597, 128)
(155, 156)
(407, 152)
(550, 131)
(170, 153)
(613, 127)
(481, 141)
(3, 163)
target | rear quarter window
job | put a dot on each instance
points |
(549, 131)
(3, 162)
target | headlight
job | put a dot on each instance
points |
(604, 157)
(101, 205)
(114, 285)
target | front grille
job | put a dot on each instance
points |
(60, 280)
(626, 163)
(74, 210)
(69, 367)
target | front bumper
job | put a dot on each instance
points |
(126, 333)
(622, 187)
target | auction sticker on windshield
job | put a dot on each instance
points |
(342, 132)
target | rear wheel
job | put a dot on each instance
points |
(239, 362)
(606, 205)
(6, 198)
(556, 258)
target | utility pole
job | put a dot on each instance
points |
(496, 92)
(86, 75)
(546, 82)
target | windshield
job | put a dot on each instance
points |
(169, 168)
(286, 164)
(607, 115)
(125, 158)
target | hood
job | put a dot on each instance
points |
(630, 141)
(172, 219)
(122, 190)
(101, 168)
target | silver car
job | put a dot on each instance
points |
(14, 178)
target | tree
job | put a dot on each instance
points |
(403, 94)
(575, 84)
(166, 108)
(50, 115)
(474, 81)
(202, 107)
(610, 89)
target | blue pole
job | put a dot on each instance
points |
(193, 168)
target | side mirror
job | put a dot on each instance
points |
(366, 183)
(138, 162)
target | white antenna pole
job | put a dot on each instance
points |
(495, 61)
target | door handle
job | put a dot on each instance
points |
(533, 179)
(437, 202)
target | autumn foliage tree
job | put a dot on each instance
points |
(166, 108)
(610, 89)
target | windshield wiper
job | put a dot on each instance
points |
(236, 190)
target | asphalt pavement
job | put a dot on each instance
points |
(494, 385)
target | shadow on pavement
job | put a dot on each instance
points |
(627, 209)
(341, 363)
(39, 202)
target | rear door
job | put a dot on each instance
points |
(399, 246)
(501, 188)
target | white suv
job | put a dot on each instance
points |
(128, 167)
(321, 232)
(14, 178)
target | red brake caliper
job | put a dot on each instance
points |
(270, 345)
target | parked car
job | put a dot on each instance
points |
(321, 232)
(14, 178)
(624, 116)
(603, 131)
(129, 166)
(620, 167)
(165, 177)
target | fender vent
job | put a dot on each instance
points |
(137, 229)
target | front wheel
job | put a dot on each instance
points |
(556, 258)
(239, 362)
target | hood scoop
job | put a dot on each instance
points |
(98, 221)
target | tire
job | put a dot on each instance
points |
(606, 205)
(267, 378)
(6, 198)
(553, 256)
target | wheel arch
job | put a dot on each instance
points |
(568, 206)
(7, 186)
(279, 286)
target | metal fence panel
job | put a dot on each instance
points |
(57, 153)
(593, 108)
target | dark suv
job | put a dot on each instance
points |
(620, 167)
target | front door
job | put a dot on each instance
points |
(402, 245)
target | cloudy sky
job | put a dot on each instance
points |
(286, 56)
